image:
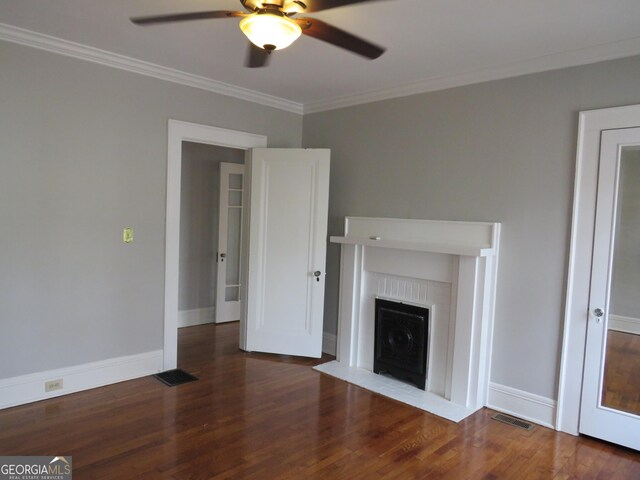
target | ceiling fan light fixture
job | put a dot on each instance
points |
(269, 31)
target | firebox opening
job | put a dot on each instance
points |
(401, 341)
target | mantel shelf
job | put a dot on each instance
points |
(451, 249)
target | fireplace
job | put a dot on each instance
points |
(401, 341)
(446, 267)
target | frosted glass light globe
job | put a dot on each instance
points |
(271, 32)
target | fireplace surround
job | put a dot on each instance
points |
(448, 267)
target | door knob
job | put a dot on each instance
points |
(598, 313)
(223, 256)
(317, 274)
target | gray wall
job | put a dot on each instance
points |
(625, 288)
(498, 151)
(199, 200)
(83, 154)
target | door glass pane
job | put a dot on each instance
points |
(621, 386)
(235, 181)
(233, 245)
(235, 198)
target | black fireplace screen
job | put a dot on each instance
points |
(402, 340)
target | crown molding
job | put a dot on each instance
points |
(41, 41)
(554, 61)
(571, 58)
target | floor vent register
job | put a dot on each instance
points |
(175, 377)
(516, 422)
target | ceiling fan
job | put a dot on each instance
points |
(270, 25)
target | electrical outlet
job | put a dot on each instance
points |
(52, 385)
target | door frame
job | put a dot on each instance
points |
(591, 124)
(178, 132)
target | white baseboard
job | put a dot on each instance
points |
(624, 324)
(329, 343)
(197, 316)
(525, 405)
(30, 388)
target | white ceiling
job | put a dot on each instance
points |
(430, 44)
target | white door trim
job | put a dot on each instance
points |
(179, 132)
(591, 124)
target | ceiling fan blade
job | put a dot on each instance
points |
(318, 5)
(181, 17)
(256, 57)
(323, 31)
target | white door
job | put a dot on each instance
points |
(286, 235)
(610, 407)
(229, 241)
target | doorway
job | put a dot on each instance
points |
(208, 248)
(178, 133)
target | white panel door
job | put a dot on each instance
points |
(287, 235)
(229, 242)
(611, 391)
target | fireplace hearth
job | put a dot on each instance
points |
(401, 341)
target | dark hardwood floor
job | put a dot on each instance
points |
(622, 372)
(262, 416)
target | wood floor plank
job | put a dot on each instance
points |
(258, 416)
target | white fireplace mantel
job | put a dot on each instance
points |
(447, 266)
(476, 239)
